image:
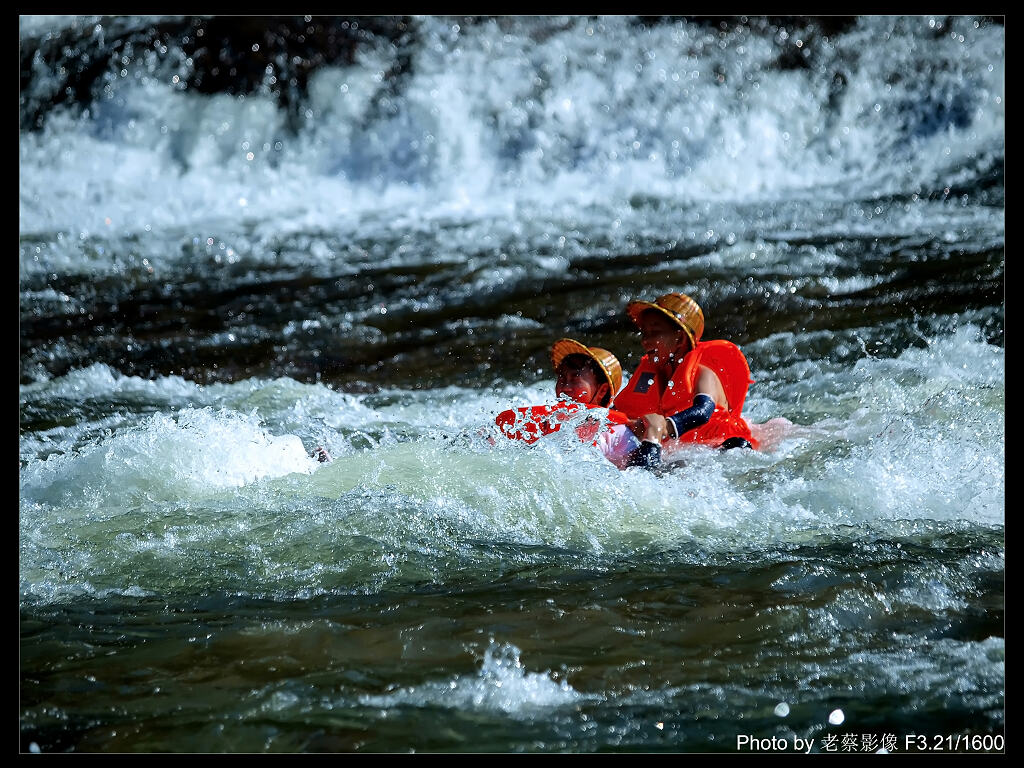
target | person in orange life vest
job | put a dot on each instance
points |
(685, 390)
(586, 378)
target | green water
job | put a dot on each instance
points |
(660, 653)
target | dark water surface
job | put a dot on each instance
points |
(619, 646)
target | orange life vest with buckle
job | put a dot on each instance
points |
(648, 392)
(531, 423)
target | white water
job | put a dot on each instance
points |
(498, 123)
(503, 684)
(896, 444)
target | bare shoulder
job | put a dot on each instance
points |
(709, 384)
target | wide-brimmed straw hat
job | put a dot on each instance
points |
(677, 307)
(605, 360)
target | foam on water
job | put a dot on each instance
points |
(502, 684)
(285, 405)
(515, 120)
(929, 434)
(190, 454)
(907, 441)
(99, 381)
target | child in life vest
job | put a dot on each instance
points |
(586, 379)
(684, 390)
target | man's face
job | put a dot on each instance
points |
(577, 379)
(662, 339)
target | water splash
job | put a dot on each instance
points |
(502, 684)
(508, 116)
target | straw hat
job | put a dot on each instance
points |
(605, 360)
(677, 307)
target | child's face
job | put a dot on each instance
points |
(580, 383)
(661, 338)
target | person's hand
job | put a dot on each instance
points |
(321, 455)
(649, 427)
(654, 427)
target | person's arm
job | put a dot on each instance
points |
(697, 415)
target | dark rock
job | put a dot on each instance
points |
(220, 54)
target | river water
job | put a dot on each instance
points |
(214, 283)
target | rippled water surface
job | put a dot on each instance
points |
(370, 247)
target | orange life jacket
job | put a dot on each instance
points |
(531, 423)
(648, 392)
